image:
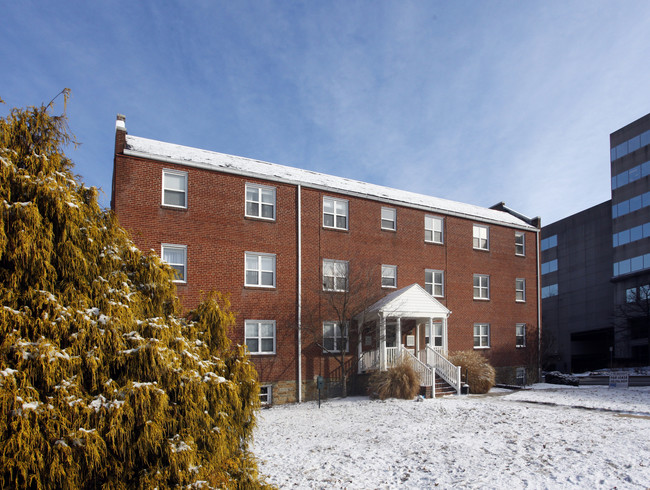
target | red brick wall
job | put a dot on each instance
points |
(217, 234)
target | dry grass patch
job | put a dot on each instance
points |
(480, 374)
(400, 381)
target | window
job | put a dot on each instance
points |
(520, 243)
(481, 237)
(334, 338)
(437, 334)
(260, 270)
(388, 276)
(260, 336)
(550, 266)
(520, 290)
(630, 295)
(335, 275)
(481, 286)
(266, 394)
(433, 229)
(549, 242)
(520, 335)
(481, 335)
(176, 256)
(434, 282)
(520, 376)
(335, 213)
(389, 219)
(260, 201)
(548, 291)
(174, 188)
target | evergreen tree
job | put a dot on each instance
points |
(102, 384)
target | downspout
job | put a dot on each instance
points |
(299, 218)
(539, 307)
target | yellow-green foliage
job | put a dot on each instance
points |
(480, 374)
(400, 381)
(102, 385)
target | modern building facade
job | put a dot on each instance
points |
(596, 268)
(421, 275)
(630, 172)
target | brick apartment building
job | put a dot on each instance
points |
(284, 241)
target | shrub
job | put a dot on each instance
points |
(102, 384)
(400, 381)
(480, 374)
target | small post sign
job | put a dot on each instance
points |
(619, 380)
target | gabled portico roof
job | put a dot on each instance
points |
(409, 302)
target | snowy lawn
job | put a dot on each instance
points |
(548, 437)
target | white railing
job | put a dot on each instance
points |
(369, 361)
(425, 373)
(392, 356)
(443, 368)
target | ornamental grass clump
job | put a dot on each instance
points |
(400, 381)
(480, 374)
(102, 383)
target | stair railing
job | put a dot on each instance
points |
(425, 373)
(443, 368)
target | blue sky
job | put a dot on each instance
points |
(478, 102)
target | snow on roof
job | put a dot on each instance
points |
(411, 301)
(184, 155)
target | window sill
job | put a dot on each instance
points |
(431, 242)
(520, 255)
(175, 208)
(520, 346)
(481, 348)
(390, 230)
(481, 249)
(332, 228)
(262, 288)
(389, 287)
(481, 299)
(260, 218)
(262, 354)
(520, 301)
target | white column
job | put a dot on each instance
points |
(398, 335)
(382, 343)
(444, 335)
(417, 339)
(430, 323)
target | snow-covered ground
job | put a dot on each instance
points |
(547, 437)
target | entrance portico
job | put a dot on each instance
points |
(409, 324)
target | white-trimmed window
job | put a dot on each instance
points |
(481, 286)
(260, 270)
(174, 188)
(520, 335)
(481, 335)
(260, 201)
(389, 219)
(388, 276)
(335, 213)
(520, 243)
(437, 334)
(433, 229)
(260, 336)
(335, 275)
(334, 338)
(266, 394)
(481, 237)
(176, 256)
(520, 290)
(434, 282)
